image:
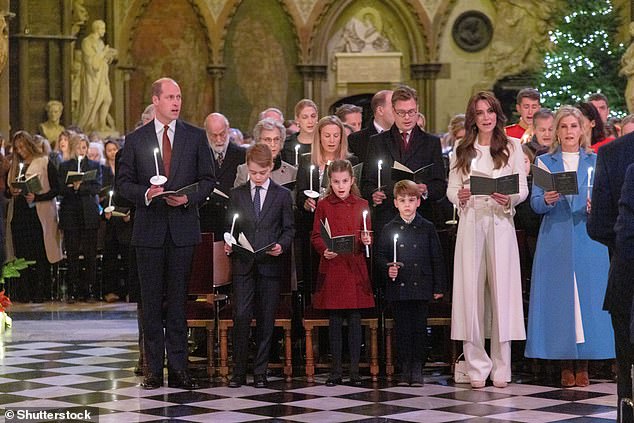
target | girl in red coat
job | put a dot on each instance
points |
(343, 286)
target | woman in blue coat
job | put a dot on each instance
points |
(565, 319)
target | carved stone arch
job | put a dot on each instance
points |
(226, 19)
(415, 21)
(137, 10)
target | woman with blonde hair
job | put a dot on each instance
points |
(570, 271)
(299, 143)
(330, 143)
(79, 218)
(32, 231)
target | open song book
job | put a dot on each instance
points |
(483, 185)
(244, 246)
(342, 244)
(565, 183)
(28, 185)
(420, 176)
(73, 176)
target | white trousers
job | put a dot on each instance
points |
(479, 364)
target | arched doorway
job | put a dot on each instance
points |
(361, 100)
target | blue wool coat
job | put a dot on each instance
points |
(565, 250)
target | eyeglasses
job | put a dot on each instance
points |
(267, 140)
(403, 113)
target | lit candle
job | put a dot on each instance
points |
(156, 151)
(590, 169)
(297, 155)
(21, 169)
(312, 168)
(110, 200)
(380, 164)
(233, 224)
(454, 213)
(473, 162)
(365, 229)
(395, 240)
(79, 163)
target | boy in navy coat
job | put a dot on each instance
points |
(410, 287)
(265, 217)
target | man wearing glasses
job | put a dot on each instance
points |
(407, 144)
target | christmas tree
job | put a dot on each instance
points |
(584, 56)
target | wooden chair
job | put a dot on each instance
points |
(319, 318)
(199, 312)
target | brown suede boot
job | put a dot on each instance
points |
(581, 373)
(567, 374)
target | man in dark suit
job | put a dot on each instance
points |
(165, 229)
(406, 143)
(382, 111)
(226, 158)
(265, 212)
(612, 162)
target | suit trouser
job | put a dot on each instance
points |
(254, 295)
(479, 364)
(163, 275)
(624, 359)
(81, 241)
(410, 317)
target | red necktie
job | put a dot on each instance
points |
(405, 143)
(167, 151)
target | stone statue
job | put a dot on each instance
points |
(52, 128)
(79, 14)
(4, 40)
(364, 33)
(627, 70)
(521, 29)
(96, 97)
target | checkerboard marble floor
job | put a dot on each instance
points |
(36, 372)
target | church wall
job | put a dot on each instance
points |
(462, 70)
(260, 55)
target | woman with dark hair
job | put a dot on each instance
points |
(79, 219)
(487, 264)
(593, 125)
(32, 231)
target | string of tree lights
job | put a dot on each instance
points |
(584, 56)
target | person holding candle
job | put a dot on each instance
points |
(486, 261)
(265, 216)
(79, 219)
(32, 231)
(343, 284)
(412, 240)
(165, 230)
(306, 116)
(570, 270)
(330, 143)
(406, 143)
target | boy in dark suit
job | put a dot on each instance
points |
(421, 278)
(265, 211)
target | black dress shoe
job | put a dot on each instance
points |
(181, 379)
(152, 382)
(334, 381)
(355, 381)
(237, 381)
(259, 381)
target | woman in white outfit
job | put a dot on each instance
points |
(487, 294)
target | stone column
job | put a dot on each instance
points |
(128, 121)
(425, 75)
(4, 73)
(313, 76)
(216, 72)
